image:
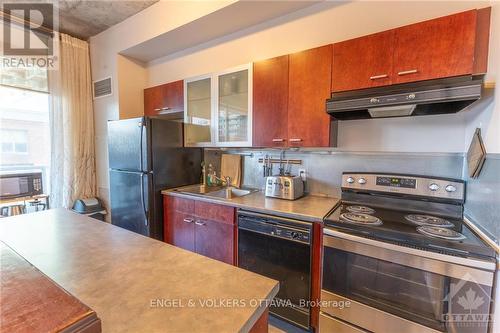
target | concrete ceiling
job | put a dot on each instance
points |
(84, 18)
(230, 19)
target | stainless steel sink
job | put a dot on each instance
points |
(229, 193)
(216, 192)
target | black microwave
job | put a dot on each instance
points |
(20, 185)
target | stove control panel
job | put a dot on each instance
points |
(405, 184)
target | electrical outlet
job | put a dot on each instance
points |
(302, 174)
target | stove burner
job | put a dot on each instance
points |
(428, 220)
(440, 233)
(360, 209)
(358, 218)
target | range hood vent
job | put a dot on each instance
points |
(411, 99)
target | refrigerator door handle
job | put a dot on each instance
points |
(143, 201)
(142, 133)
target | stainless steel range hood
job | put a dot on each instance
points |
(403, 100)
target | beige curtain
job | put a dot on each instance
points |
(72, 171)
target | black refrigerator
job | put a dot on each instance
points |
(146, 156)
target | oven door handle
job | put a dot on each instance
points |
(460, 268)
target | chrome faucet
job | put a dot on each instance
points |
(225, 180)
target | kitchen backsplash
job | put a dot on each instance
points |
(324, 167)
(483, 198)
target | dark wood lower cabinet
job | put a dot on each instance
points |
(205, 228)
(210, 230)
(182, 232)
(214, 240)
(31, 302)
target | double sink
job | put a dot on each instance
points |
(226, 193)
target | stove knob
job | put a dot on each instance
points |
(350, 180)
(433, 187)
(362, 181)
(295, 235)
(450, 188)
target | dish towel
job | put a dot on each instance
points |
(231, 167)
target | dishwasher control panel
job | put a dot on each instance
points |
(275, 226)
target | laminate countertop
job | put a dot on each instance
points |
(134, 283)
(309, 208)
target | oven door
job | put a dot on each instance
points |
(381, 289)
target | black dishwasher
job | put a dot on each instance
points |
(279, 248)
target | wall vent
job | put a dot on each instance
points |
(102, 87)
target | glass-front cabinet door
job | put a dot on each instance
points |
(198, 112)
(219, 109)
(234, 108)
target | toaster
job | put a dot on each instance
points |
(284, 187)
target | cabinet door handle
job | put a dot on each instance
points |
(278, 140)
(295, 140)
(376, 77)
(411, 71)
(200, 223)
(157, 109)
(165, 108)
(188, 220)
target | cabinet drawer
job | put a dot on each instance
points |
(329, 324)
(209, 211)
(179, 204)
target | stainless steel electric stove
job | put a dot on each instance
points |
(397, 249)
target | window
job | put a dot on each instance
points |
(14, 141)
(24, 125)
(27, 78)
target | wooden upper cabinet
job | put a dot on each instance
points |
(309, 86)
(448, 46)
(164, 99)
(438, 48)
(270, 102)
(153, 100)
(363, 62)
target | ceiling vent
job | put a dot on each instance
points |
(102, 87)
